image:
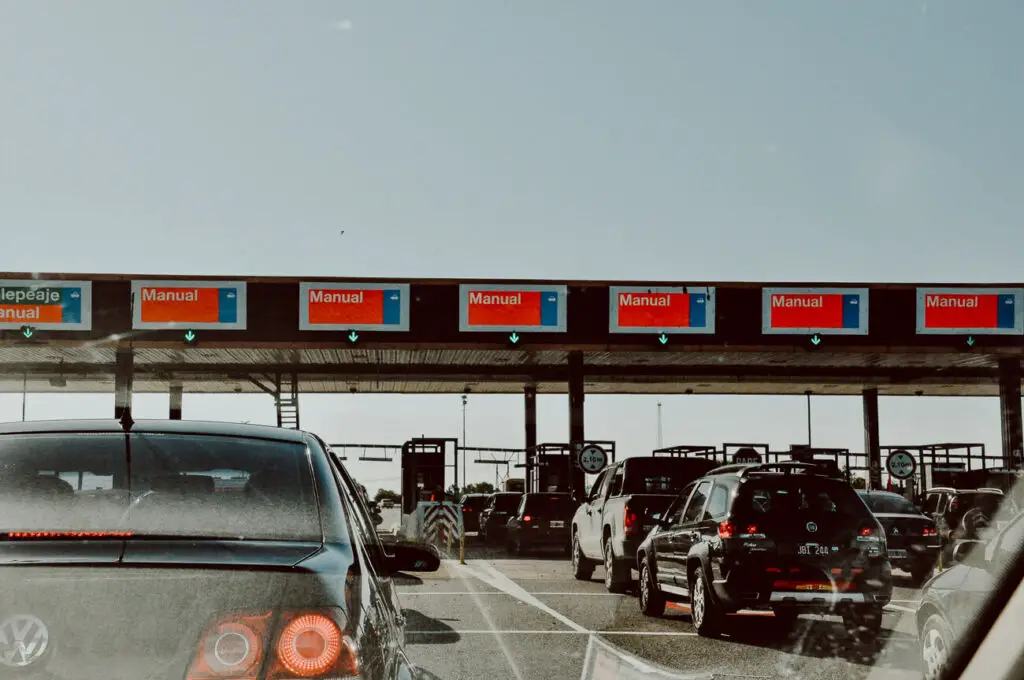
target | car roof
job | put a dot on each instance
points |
(195, 427)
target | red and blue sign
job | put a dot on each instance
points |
(218, 305)
(668, 310)
(49, 305)
(503, 308)
(970, 311)
(821, 311)
(354, 306)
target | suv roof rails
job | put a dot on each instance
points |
(990, 488)
(744, 469)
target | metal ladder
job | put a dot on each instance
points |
(287, 401)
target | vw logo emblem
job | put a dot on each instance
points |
(812, 527)
(23, 641)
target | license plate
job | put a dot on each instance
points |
(812, 550)
(898, 554)
(557, 524)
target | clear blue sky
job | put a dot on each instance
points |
(802, 140)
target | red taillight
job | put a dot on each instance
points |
(726, 529)
(311, 645)
(867, 531)
(929, 531)
(307, 644)
(526, 518)
(231, 648)
(629, 521)
(954, 505)
(752, 529)
(773, 570)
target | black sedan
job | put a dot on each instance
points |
(912, 539)
(176, 549)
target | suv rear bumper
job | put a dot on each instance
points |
(744, 588)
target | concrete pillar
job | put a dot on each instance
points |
(124, 365)
(872, 442)
(577, 479)
(530, 410)
(1010, 411)
(176, 398)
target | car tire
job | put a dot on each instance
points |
(936, 640)
(582, 568)
(705, 615)
(616, 574)
(652, 601)
(864, 623)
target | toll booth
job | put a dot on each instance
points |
(953, 464)
(555, 468)
(424, 467)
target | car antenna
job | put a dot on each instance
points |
(126, 420)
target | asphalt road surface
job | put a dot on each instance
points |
(499, 618)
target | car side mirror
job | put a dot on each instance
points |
(378, 519)
(965, 550)
(408, 556)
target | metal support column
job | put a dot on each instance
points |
(530, 410)
(124, 365)
(1010, 412)
(176, 399)
(872, 441)
(577, 480)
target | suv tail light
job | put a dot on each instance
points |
(954, 505)
(726, 529)
(630, 523)
(930, 531)
(729, 530)
(306, 644)
(527, 518)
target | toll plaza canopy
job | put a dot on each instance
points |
(64, 332)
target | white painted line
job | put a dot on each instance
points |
(898, 608)
(494, 578)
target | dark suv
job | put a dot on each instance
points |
(781, 536)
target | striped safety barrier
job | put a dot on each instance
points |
(442, 522)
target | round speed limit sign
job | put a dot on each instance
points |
(901, 464)
(593, 458)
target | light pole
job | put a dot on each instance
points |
(660, 442)
(465, 399)
(808, 418)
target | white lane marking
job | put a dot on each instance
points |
(553, 632)
(898, 608)
(498, 637)
(494, 578)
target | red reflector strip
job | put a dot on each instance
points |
(68, 534)
(819, 586)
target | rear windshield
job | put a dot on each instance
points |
(789, 501)
(550, 505)
(662, 475)
(987, 502)
(507, 502)
(475, 502)
(888, 503)
(174, 484)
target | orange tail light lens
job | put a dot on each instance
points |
(726, 529)
(231, 647)
(311, 645)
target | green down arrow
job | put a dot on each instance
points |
(514, 338)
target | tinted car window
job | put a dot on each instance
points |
(179, 484)
(475, 502)
(506, 502)
(888, 503)
(718, 506)
(785, 503)
(696, 504)
(661, 475)
(550, 505)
